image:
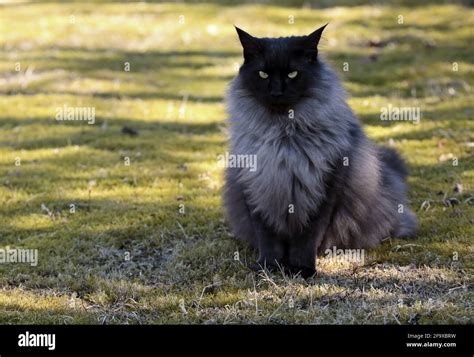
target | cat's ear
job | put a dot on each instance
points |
(249, 43)
(310, 43)
(313, 38)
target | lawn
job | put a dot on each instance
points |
(126, 213)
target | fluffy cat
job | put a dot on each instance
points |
(319, 183)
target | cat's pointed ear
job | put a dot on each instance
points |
(313, 38)
(249, 43)
(309, 44)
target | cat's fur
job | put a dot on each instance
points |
(320, 182)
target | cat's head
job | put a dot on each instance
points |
(279, 72)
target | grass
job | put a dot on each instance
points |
(128, 253)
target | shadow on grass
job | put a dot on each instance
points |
(152, 135)
(162, 71)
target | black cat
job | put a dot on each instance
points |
(319, 183)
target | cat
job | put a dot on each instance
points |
(319, 183)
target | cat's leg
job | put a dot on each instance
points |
(302, 256)
(249, 227)
(271, 247)
(303, 249)
(237, 211)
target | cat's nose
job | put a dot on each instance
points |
(276, 94)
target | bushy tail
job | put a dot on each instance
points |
(407, 221)
(406, 227)
(393, 160)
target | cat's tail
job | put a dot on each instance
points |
(393, 160)
(407, 225)
(407, 221)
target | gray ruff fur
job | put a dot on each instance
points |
(345, 191)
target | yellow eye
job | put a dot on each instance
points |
(292, 74)
(262, 74)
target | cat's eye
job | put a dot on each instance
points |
(262, 74)
(292, 74)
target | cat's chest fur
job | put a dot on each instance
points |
(288, 184)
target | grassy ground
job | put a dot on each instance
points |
(127, 254)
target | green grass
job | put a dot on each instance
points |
(181, 267)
